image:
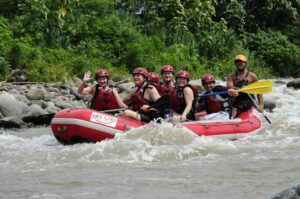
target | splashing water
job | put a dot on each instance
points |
(157, 161)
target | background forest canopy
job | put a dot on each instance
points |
(56, 39)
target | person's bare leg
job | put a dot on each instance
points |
(131, 114)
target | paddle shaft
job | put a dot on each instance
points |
(212, 94)
(256, 105)
(113, 110)
(262, 87)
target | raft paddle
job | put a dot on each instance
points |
(113, 110)
(256, 105)
(261, 87)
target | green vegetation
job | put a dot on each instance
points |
(56, 39)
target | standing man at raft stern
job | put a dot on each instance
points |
(238, 79)
(104, 97)
(142, 98)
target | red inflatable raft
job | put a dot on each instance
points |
(71, 126)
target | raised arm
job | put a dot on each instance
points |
(81, 89)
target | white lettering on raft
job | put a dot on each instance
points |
(104, 119)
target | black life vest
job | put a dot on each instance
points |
(216, 103)
(138, 99)
(242, 101)
(178, 102)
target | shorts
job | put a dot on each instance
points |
(148, 116)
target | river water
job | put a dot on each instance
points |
(157, 161)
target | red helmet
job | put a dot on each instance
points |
(167, 68)
(101, 73)
(241, 58)
(153, 77)
(207, 78)
(183, 74)
(142, 71)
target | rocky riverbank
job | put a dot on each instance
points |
(26, 104)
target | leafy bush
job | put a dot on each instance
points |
(4, 68)
(276, 51)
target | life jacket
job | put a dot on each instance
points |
(157, 86)
(242, 101)
(167, 90)
(216, 103)
(137, 99)
(104, 99)
(178, 102)
(240, 83)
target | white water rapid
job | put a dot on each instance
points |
(157, 162)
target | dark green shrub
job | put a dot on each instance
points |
(278, 53)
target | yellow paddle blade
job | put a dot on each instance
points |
(262, 87)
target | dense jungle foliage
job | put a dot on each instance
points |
(56, 39)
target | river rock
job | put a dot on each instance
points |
(294, 84)
(39, 120)
(36, 110)
(291, 193)
(18, 75)
(50, 95)
(53, 89)
(14, 91)
(40, 103)
(127, 87)
(279, 82)
(9, 106)
(11, 122)
(51, 108)
(36, 94)
(23, 98)
(269, 105)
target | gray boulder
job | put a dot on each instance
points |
(18, 75)
(11, 122)
(36, 110)
(294, 84)
(51, 108)
(9, 106)
(36, 94)
(40, 103)
(291, 193)
(22, 98)
(269, 105)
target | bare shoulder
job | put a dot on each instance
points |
(231, 75)
(253, 77)
(188, 89)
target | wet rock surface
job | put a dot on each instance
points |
(291, 193)
(24, 104)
